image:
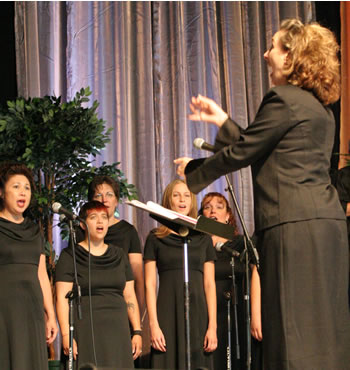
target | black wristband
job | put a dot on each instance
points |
(137, 332)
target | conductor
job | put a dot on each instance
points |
(301, 228)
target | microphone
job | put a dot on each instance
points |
(221, 247)
(63, 218)
(199, 143)
(57, 208)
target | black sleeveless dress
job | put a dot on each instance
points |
(22, 324)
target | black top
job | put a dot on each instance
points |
(289, 146)
(125, 236)
(223, 269)
(22, 324)
(300, 223)
(23, 243)
(109, 273)
(105, 269)
(168, 251)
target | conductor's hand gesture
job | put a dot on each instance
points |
(205, 109)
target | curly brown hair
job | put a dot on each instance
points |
(208, 197)
(312, 61)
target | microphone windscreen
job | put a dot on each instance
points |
(62, 217)
(218, 246)
(198, 142)
(56, 207)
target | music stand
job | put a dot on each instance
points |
(184, 226)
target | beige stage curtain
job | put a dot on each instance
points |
(345, 81)
(143, 61)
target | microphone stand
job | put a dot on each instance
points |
(232, 296)
(71, 295)
(248, 247)
(187, 303)
(227, 296)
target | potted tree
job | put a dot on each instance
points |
(57, 140)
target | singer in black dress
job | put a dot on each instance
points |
(164, 252)
(113, 297)
(25, 292)
(215, 205)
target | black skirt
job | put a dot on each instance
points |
(304, 280)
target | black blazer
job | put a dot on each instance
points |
(288, 146)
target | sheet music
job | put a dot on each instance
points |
(201, 224)
(156, 206)
(161, 211)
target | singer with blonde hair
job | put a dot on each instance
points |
(164, 253)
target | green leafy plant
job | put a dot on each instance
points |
(57, 141)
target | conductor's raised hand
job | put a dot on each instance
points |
(205, 109)
(181, 165)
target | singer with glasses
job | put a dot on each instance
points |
(301, 228)
(113, 297)
(27, 316)
(164, 252)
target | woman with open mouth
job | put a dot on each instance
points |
(112, 296)
(26, 296)
(164, 252)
